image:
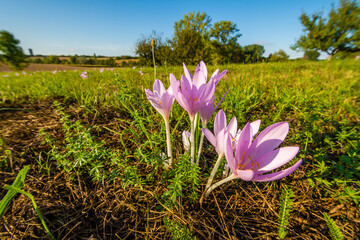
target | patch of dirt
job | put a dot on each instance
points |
(82, 209)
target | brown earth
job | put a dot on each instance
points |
(82, 209)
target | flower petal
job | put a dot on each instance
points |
(220, 122)
(208, 134)
(277, 175)
(276, 158)
(187, 72)
(159, 87)
(229, 155)
(255, 126)
(245, 175)
(232, 127)
(269, 139)
(243, 144)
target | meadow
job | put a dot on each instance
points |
(94, 145)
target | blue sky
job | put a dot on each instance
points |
(112, 28)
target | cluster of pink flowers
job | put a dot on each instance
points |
(84, 75)
(248, 157)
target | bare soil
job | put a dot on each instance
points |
(82, 209)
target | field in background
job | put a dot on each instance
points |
(137, 198)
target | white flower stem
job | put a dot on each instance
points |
(168, 141)
(215, 185)
(200, 144)
(213, 172)
(192, 139)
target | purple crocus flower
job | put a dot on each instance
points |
(220, 124)
(141, 73)
(254, 158)
(101, 70)
(84, 75)
(194, 92)
(161, 99)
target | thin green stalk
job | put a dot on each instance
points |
(15, 189)
(201, 144)
(168, 141)
(215, 185)
(213, 172)
(192, 139)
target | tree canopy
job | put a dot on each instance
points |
(195, 39)
(10, 53)
(339, 32)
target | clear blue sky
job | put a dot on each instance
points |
(112, 28)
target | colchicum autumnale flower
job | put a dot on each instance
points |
(253, 159)
(221, 132)
(162, 100)
(195, 94)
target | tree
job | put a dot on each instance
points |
(311, 55)
(253, 53)
(278, 56)
(162, 50)
(191, 39)
(340, 32)
(10, 53)
(224, 39)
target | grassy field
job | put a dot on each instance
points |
(94, 146)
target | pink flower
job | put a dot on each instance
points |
(141, 73)
(194, 92)
(101, 70)
(220, 127)
(84, 75)
(255, 158)
(161, 99)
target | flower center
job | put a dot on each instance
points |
(253, 164)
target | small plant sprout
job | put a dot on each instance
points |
(185, 139)
(194, 93)
(255, 158)
(162, 100)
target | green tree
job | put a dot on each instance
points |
(340, 32)
(224, 39)
(191, 39)
(278, 56)
(10, 53)
(311, 55)
(162, 50)
(253, 53)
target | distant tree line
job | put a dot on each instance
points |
(195, 39)
(83, 60)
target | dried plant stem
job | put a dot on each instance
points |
(153, 55)
(213, 172)
(215, 185)
(168, 141)
(192, 139)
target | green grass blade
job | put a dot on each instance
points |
(17, 190)
(18, 183)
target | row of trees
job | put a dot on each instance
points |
(195, 39)
(75, 60)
